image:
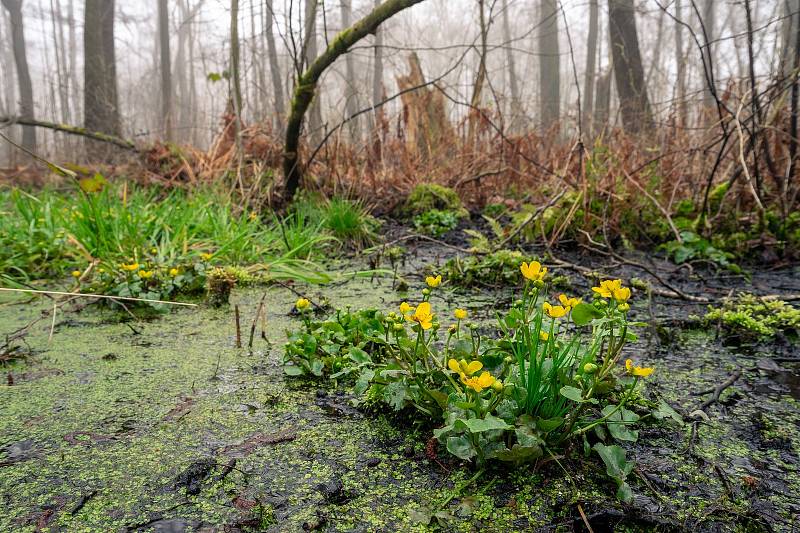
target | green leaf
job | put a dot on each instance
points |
(316, 367)
(358, 356)
(617, 467)
(619, 423)
(395, 394)
(461, 447)
(665, 411)
(624, 492)
(549, 424)
(518, 454)
(479, 425)
(572, 393)
(292, 370)
(584, 313)
(363, 381)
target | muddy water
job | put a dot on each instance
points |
(166, 426)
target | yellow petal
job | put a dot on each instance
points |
(486, 380)
(473, 367)
(628, 365)
(643, 371)
(452, 364)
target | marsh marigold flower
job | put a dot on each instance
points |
(422, 315)
(639, 371)
(567, 301)
(460, 314)
(463, 368)
(145, 274)
(173, 272)
(484, 381)
(130, 267)
(405, 308)
(433, 282)
(607, 287)
(555, 311)
(622, 294)
(533, 271)
(302, 304)
(206, 256)
(76, 273)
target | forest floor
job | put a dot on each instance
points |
(163, 425)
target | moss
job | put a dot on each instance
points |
(752, 316)
(500, 268)
(428, 196)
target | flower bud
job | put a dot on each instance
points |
(539, 284)
(426, 292)
(590, 368)
(452, 329)
(518, 303)
(624, 307)
(497, 386)
(398, 327)
(508, 360)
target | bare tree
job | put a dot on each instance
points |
(708, 24)
(549, 64)
(351, 94)
(166, 69)
(634, 104)
(235, 59)
(307, 83)
(515, 109)
(274, 66)
(101, 108)
(589, 75)
(480, 74)
(14, 8)
(309, 56)
(680, 66)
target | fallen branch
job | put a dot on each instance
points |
(100, 296)
(72, 130)
(717, 391)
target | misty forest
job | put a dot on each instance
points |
(399, 265)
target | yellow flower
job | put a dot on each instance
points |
(131, 267)
(206, 256)
(460, 314)
(76, 273)
(173, 272)
(533, 271)
(543, 336)
(484, 381)
(555, 311)
(640, 371)
(405, 308)
(145, 274)
(622, 294)
(433, 282)
(607, 287)
(567, 301)
(253, 215)
(422, 315)
(302, 304)
(463, 368)
(153, 251)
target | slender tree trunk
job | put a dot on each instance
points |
(789, 26)
(680, 66)
(307, 83)
(628, 71)
(515, 109)
(14, 8)
(376, 118)
(591, 59)
(549, 64)
(351, 89)
(166, 70)
(480, 75)
(274, 66)
(235, 59)
(709, 23)
(77, 103)
(309, 56)
(101, 109)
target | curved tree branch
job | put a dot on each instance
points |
(307, 83)
(72, 130)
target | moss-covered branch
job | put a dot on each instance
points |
(72, 130)
(307, 83)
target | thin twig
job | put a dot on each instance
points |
(101, 296)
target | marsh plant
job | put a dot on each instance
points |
(552, 375)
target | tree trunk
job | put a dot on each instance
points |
(309, 56)
(351, 86)
(789, 27)
(480, 75)
(549, 64)
(591, 58)
(680, 65)
(14, 8)
(235, 57)
(708, 24)
(515, 109)
(628, 71)
(274, 67)
(101, 109)
(166, 70)
(307, 83)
